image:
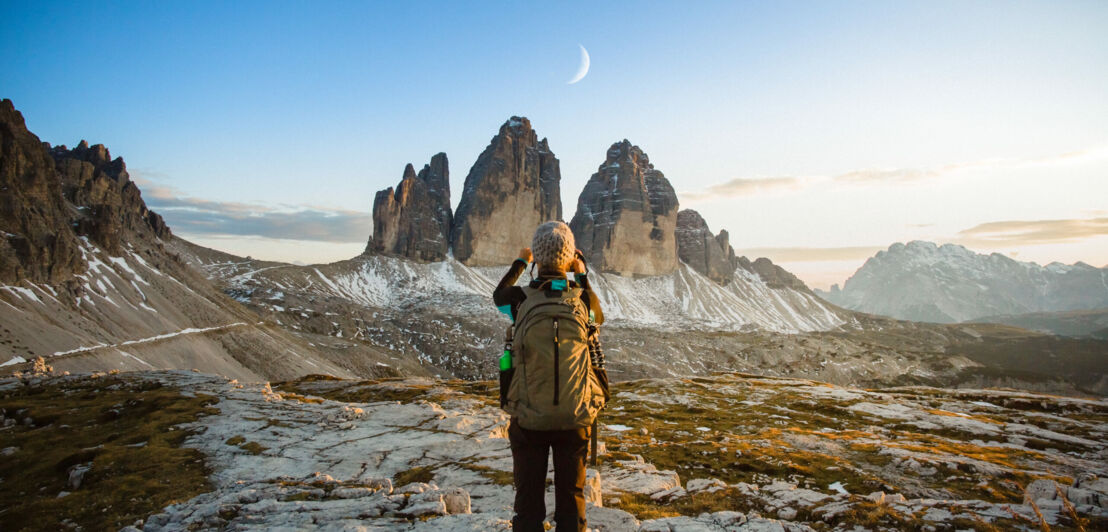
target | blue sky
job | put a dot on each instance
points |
(814, 133)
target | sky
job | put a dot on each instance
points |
(815, 133)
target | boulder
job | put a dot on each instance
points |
(511, 189)
(627, 216)
(710, 485)
(457, 501)
(636, 476)
(593, 493)
(709, 254)
(414, 220)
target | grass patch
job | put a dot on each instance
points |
(301, 398)
(502, 478)
(123, 429)
(253, 447)
(415, 474)
(369, 391)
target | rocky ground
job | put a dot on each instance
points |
(727, 452)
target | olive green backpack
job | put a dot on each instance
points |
(554, 386)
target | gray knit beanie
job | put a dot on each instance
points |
(553, 246)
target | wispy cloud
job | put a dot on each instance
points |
(1026, 232)
(814, 254)
(293, 222)
(745, 186)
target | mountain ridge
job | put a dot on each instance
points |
(924, 281)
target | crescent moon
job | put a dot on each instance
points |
(583, 69)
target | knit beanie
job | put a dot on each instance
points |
(553, 246)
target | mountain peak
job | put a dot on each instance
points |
(516, 126)
(626, 216)
(512, 188)
(409, 172)
(414, 220)
(696, 246)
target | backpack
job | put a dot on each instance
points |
(554, 386)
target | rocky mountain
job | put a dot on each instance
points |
(512, 188)
(710, 255)
(926, 282)
(626, 216)
(38, 243)
(139, 297)
(414, 220)
(728, 452)
(774, 275)
(90, 279)
(55, 197)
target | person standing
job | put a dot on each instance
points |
(554, 393)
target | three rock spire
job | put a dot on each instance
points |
(627, 218)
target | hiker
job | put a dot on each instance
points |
(553, 391)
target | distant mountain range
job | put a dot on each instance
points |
(922, 281)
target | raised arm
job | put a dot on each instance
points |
(507, 295)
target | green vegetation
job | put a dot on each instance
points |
(368, 391)
(738, 429)
(503, 478)
(124, 429)
(391, 389)
(253, 447)
(415, 474)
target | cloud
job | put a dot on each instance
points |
(1035, 231)
(744, 187)
(887, 176)
(901, 175)
(292, 222)
(804, 254)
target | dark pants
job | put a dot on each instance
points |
(530, 449)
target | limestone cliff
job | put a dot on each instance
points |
(708, 254)
(109, 205)
(627, 216)
(51, 196)
(414, 220)
(511, 189)
(36, 241)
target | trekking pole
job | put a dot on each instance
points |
(597, 356)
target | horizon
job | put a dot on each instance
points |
(816, 137)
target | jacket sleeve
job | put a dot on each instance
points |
(507, 295)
